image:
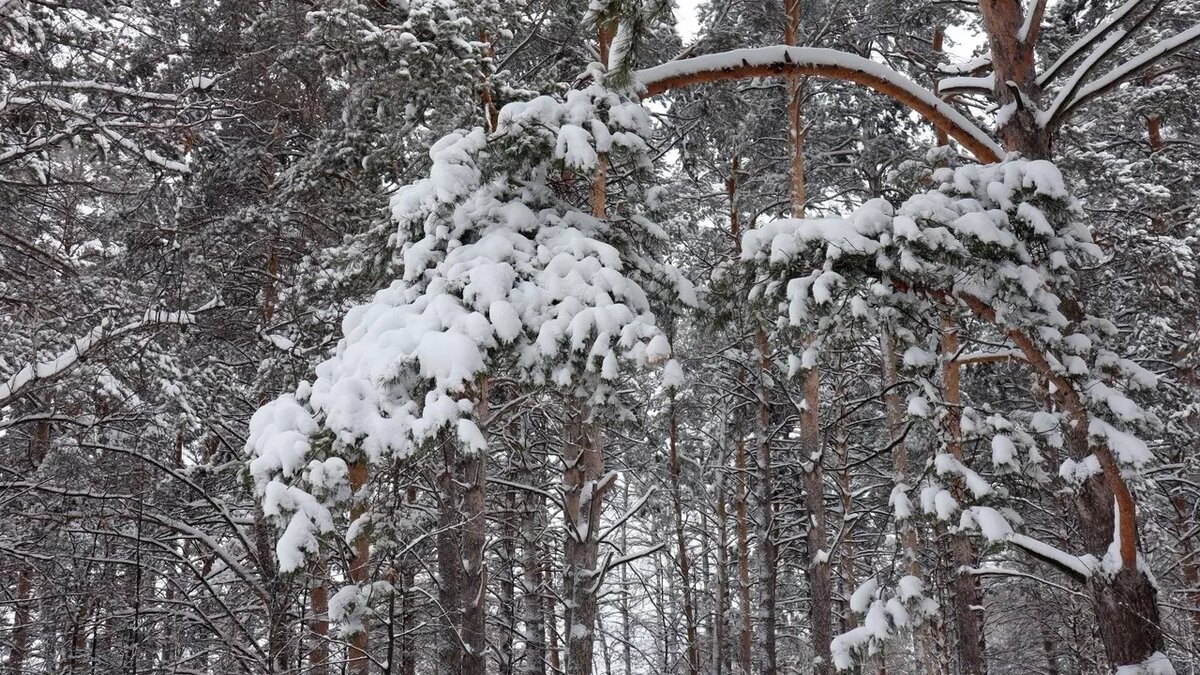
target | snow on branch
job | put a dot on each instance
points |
(39, 371)
(831, 63)
(85, 120)
(1126, 70)
(966, 85)
(972, 67)
(1087, 41)
(94, 86)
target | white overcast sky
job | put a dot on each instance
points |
(962, 42)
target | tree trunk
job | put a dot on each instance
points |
(474, 575)
(318, 656)
(626, 604)
(1125, 604)
(746, 635)
(766, 508)
(449, 563)
(939, 36)
(408, 618)
(819, 574)
(585, 484)
(685, 578)
(967, 619)
(924, 639)
(360, 567)
(1016, 87)
(532, 522)
(21, 620)
(551, 619)
(721, 604)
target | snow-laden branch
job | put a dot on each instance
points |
(966, 85)
(94, 86)
(973, 67)
(1127, 70)
(100, 125)
(1085, 43)
(40, 371)
(1072, 565)
(830, 63)
(1072, 85)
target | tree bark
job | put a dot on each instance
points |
(449, 562)
(820, 581)
(1016, 88)
(318, 656)
(924, 639)
(21, 620)
(474, 574)
(967, 619)
(585, 484)
(360, 568)
(532, 523)
(746, 635)
(685, 575)
(720, 624)
(766, 507)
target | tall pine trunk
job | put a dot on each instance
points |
(360, 567)
(449, 562)
(474, 574)
(685, 575)
(585, 485)
(968, 620)
(1125, 603)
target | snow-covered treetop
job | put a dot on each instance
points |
(502, 276)
(1002, 241)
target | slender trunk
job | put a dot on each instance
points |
(277, 593)
(689, 608)
(318, 656)
(766, 508)
(532, 522)
(21, 620)
(721, 604)
(746, 636)
(507, 606)
(1048, 650)
(474, 575)
(820, 608)
(820, 581)
(924, 638)
(360, 567)
(626, 600)
(967, 598)
(585, 484)
(846, 497)
(449, 562)
(79, 636)
(408, 577)
(551, 619)
(939, 35)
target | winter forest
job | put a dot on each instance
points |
(591, 337)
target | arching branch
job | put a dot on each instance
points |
(828, 63)
(1069, 398)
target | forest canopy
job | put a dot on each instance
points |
(539, 337)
